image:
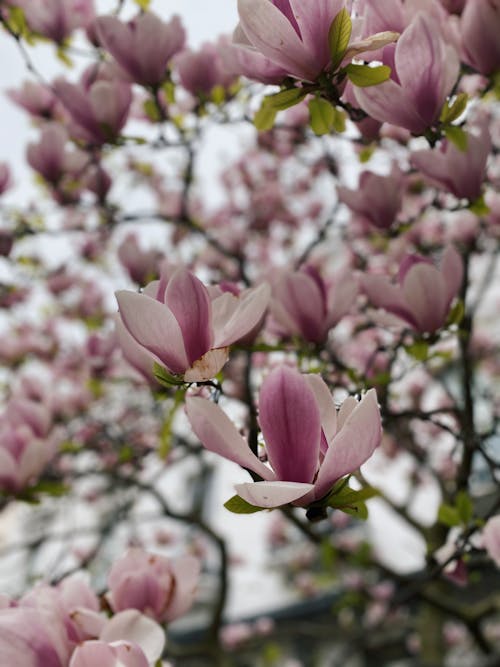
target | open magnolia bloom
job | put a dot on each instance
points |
(184, 329)
(425, 292)
(309, 445)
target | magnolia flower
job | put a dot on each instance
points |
(424, 70)
(491, 538)
(50, 157)
(155, 585)
(304, 305)
(309, 445)
(293, 34)
(183, 329)
(377, 199)
(98, 109)
(56, 19)
(200, 71)
(143, 46)
(460, 172)
(35, 98)
(33, 637)
(480, 26)
(114, 654)
(425, 292)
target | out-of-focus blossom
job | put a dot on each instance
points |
(33, 637)
(308, 445)
(491, 538)
(51, 158)
(424, 70)
(98, 108)
(460, 172)
(183, 329)
(201, 71)
(480, 25)
(377, 199)
(303, 304)
(141, 265)
(57, 19)
(425, 292)
(38, 100)
(157, 586)
(142, 47)
(5, 177)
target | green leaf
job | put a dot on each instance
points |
(165, 378)
(151, 110)
(239, 506)
(339, 35)
(62, 55)
(465, 508)
(351, 501)
(449, 113)
(448, 515)
(359, 510)
(364, 75)
(285, 98)
(419, 350)
(143, 4)
(49, 487)
(479, 207)
(322, 115)
(366, 153)
(218, 94)
(339, 120)
(264, 118)
(457, 136)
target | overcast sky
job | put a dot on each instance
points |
(203, 21)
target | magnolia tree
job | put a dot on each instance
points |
(319, 308)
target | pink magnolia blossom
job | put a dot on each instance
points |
(25, 449)
(480, 27)
(143, 46)
(377, 199)
(159, 587)
(5, 177)
(56, 19)
(425, 292)
(460, 172)
(114, 654)
(200, 71)
(141, 265)
(246, 61)
(98, 107)
(424, 70)
(186, 331)
(51, 158)
(38, 100)
(32, 638)
(293, 34)
(309, 445)
(305, 305)
(491, 538)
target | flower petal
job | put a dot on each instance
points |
(272, 494)
(154, 326)
(290, 421)
(132, 626)
(187, 298)
(353, 444)
(218, 434)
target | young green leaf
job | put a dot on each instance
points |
(322, 116)
(264, 118)
(449, 113)
(364, 75)
(448, 515)
(339, 36)
(239, 506)
(457, 136)
(284, 99)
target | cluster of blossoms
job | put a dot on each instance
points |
(330, 319)
(63, 625)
